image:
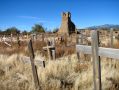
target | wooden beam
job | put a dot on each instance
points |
(44, 64)
(84, 48)
(34, 69)
(7, 44)
(81, 38)
(104, 52)
(53, 54)
(77, 42)
(38, 62)
(96, 60)
(18, 41)
(45, 48)
(11, 37)
(42, 37)
(111, 38)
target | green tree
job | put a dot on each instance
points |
(1, 32)
(55, 30)
(24, 32)
(38, 28)
(12, 30)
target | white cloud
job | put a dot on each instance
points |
(35, 18)
(29, 17)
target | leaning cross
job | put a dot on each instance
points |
(49, 48)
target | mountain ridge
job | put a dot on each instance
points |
(105, 26)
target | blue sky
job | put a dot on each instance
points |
(23, 14)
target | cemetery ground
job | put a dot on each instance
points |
(66, 72)
(62, 74)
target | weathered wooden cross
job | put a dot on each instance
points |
(50, 50)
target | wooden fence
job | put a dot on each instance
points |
(96, 52)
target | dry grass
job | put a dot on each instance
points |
(14, 74)
(63, 74)
(61, 50)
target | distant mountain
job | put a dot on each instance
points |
(105, 26)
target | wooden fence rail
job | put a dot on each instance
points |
(103, 52)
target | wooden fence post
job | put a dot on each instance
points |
(18, 41)
(81, 37)
(111, 37)
(53, 50)
(77, 42)
(36, 36)
(53, 41)
(81, 41)
(66, 39)
(27, 36)
(34, 69)
(42, 37)
(44, 64)
(48, 50)
(53, 54)
(11, 37)
(96, 61)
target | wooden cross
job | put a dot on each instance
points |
(49, 50)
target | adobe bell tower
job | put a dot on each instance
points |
(67, 26)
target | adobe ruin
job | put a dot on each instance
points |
(67, 26)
